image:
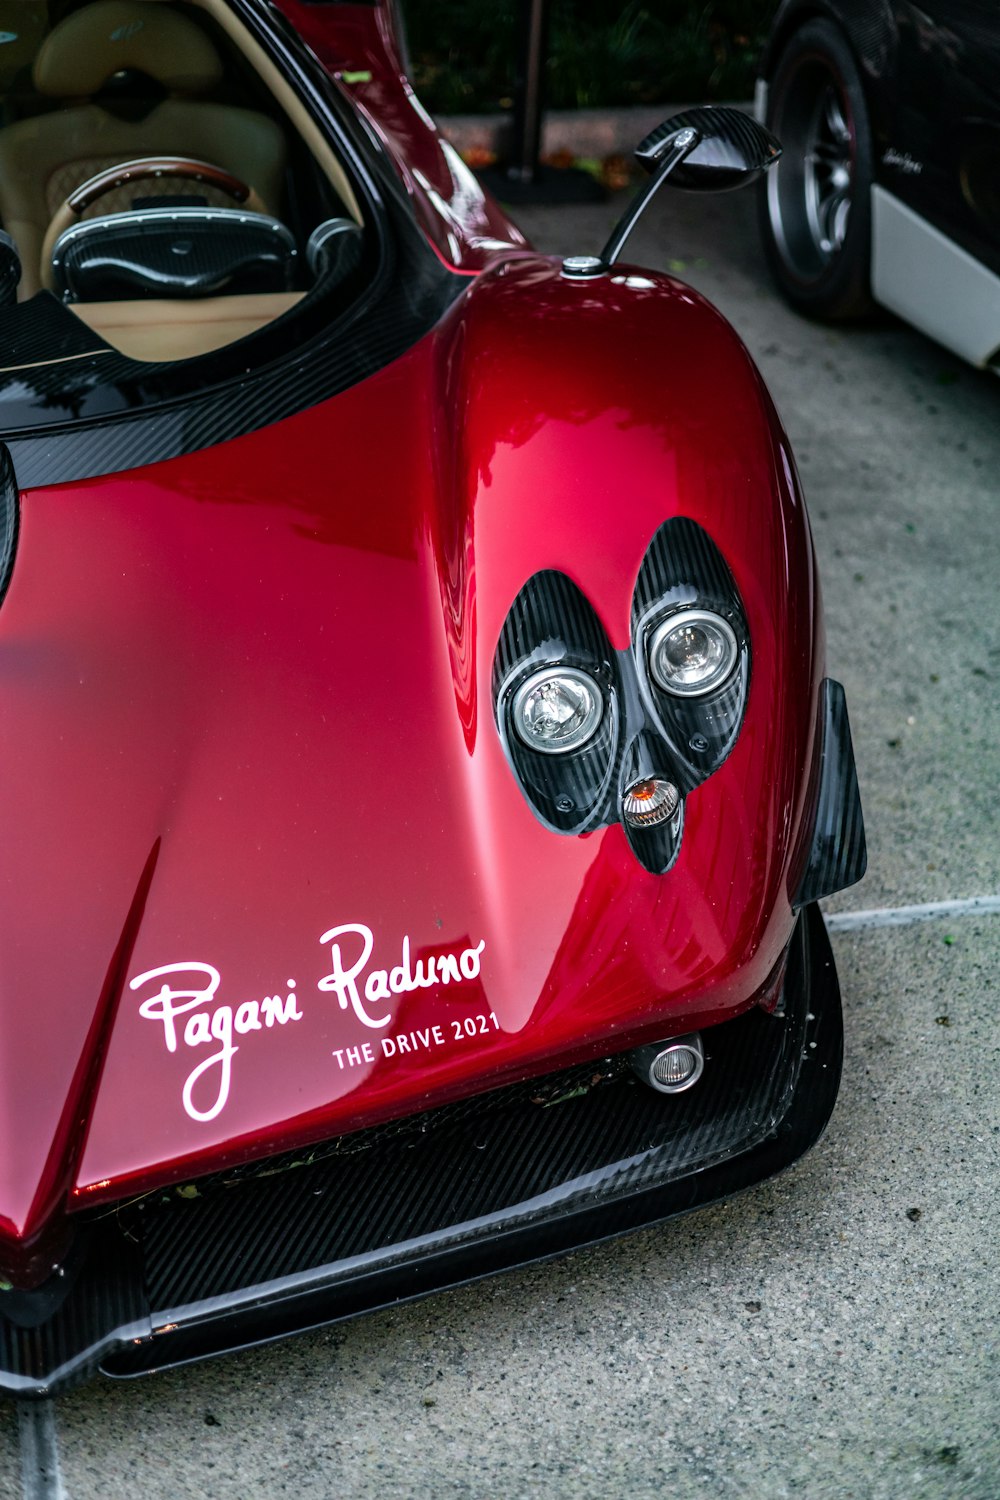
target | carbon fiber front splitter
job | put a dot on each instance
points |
(514, 1177)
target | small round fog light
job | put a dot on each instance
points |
(675, 1067)
(671, 1067)
(649, 802)
(557, 709)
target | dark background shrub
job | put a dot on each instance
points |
(600, 53)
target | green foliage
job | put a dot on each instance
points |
(600, 54)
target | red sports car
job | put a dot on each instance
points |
(418, 768)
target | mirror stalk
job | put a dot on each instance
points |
(711, 148)
(672, 152)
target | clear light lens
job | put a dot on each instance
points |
(692, 652)
(558, 709)
(675, 1067)
(649, 802)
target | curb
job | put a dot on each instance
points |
(584, 133)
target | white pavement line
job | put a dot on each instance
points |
(40, 1475)
(905, 916)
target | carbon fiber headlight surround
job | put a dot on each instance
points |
(552, 624)
(683, 571)
(645, 731)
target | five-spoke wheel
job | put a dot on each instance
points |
(815, 209)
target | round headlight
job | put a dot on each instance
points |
(692, 652)
(557, 709)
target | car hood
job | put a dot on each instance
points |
(267, 873)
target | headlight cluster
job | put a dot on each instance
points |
(559, 709)
(595, 735)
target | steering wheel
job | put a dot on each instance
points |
(144, 167)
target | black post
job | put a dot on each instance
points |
(522, 178)
(533, 35)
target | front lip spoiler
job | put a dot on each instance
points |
(169, 1287)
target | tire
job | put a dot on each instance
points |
(815, 203)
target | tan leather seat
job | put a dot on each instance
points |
(44, 158)
(23, 24)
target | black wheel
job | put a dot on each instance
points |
(815, 204)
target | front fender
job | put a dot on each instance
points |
(588, 413)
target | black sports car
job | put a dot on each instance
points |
(889, 188)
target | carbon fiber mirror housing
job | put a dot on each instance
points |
(712, 148)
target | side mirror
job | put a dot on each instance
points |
(711, 148)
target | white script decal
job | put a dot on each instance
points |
(202, 1028)
(186, 1008)
(382, 984)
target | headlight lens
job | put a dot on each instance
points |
(692, 652)
(557, 709)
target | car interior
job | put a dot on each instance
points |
(160, 176)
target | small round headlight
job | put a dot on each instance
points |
(692, 652)
(557, 709)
